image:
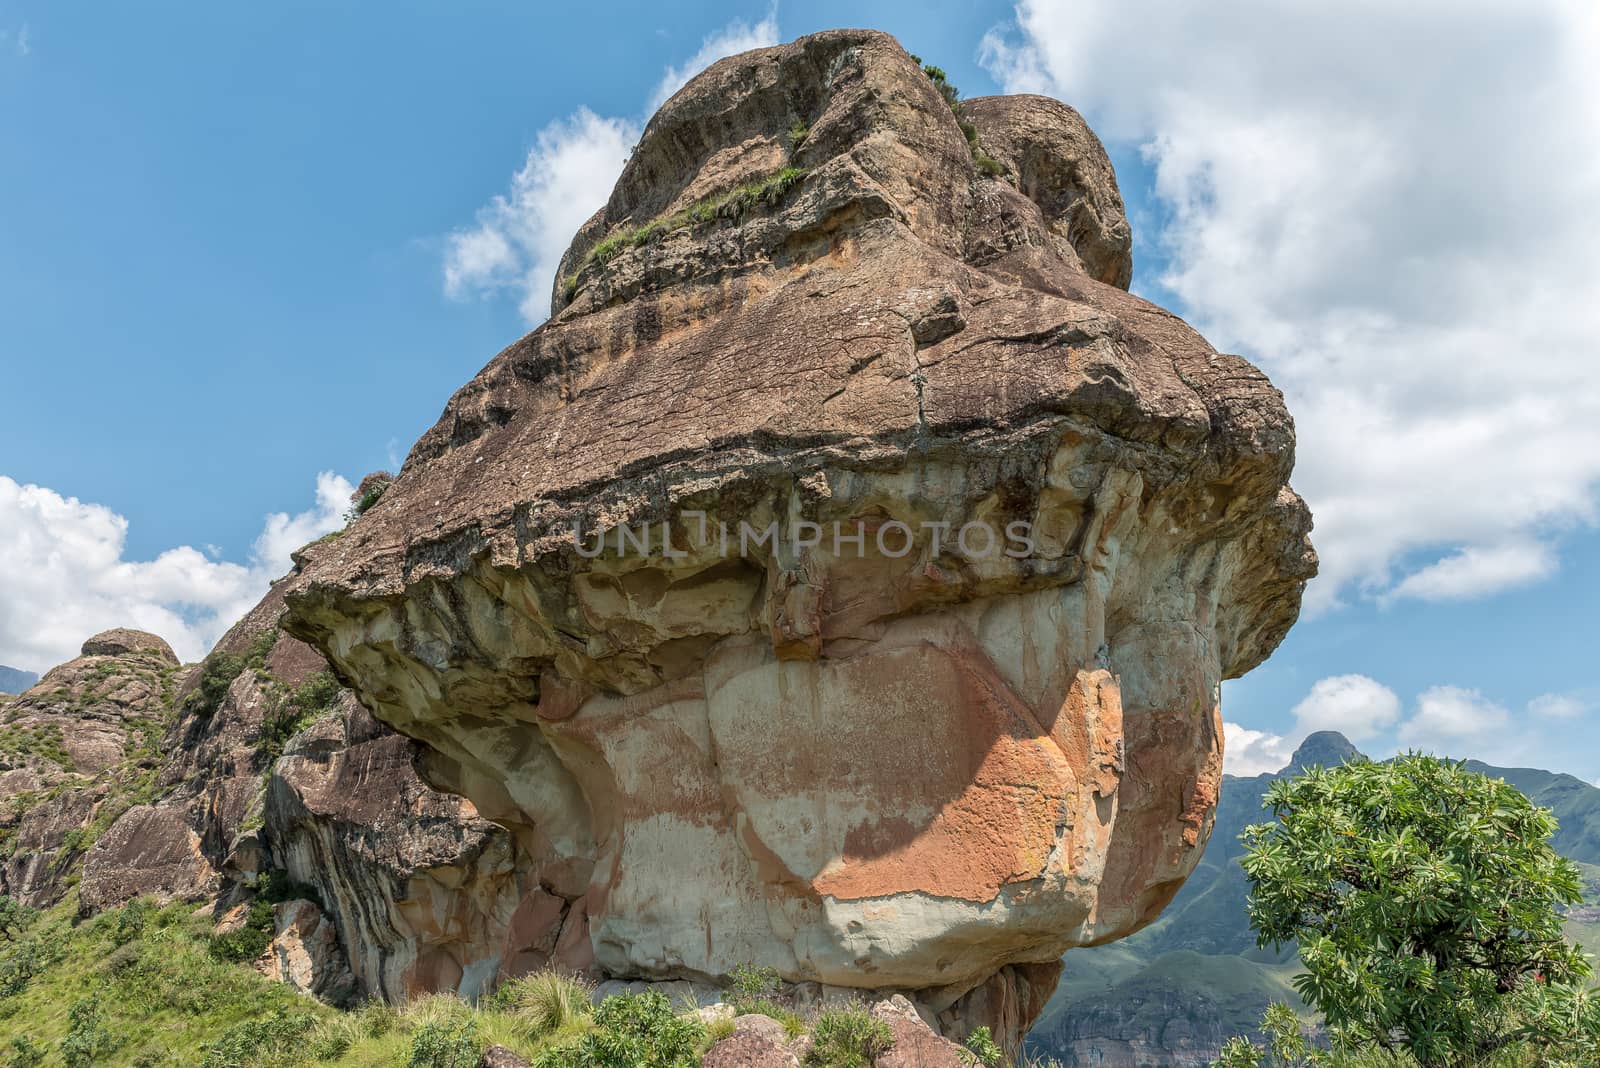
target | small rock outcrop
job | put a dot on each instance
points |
(842, 580)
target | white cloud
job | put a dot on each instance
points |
(65, 578)
(1354, 705)
(1559, 706)
(517, 240)
(1453, 721)
(732, 39)
(1394, 232)
(1246, 752)
(1478, 570)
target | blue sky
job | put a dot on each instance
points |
(224, 232)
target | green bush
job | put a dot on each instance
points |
(216, 675)
(797, 135)
(749, 984)
(25, 1053)
(250, 941)
(445, 1043)
(631, 1031)
(87, 1039)
(544, 1003)
(848, 1038)
(314, 698)
(255, 1041)
(984, 1049)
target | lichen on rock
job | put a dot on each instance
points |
(883, 764)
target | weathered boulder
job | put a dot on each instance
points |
(120, 641)
(949, 708)
(305, 953)
(915, 1043)
(747, 1049)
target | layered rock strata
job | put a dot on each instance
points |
(912, 550)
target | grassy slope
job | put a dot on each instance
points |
(158, 993)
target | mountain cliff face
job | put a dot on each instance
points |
(865, 747)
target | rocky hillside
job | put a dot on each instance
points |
(837, 587)
(15, 680)
(1168, 996)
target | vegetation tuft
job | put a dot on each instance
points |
(986, 164)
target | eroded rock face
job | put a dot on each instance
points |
(71, 748)
(891, 759)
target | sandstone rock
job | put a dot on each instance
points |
(500, 1057)
(916, 1045)
(305, 953)
(78, 740)
(754, 1023)
(430, 897)
(747, 1049)
(150, 851)
(900, 762)
(122, 641)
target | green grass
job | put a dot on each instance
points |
(766, 192)
(152, 988)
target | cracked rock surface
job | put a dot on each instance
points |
(882, 757)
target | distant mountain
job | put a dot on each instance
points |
(15, 680)
(1168, 996)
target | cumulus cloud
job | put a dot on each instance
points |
(1559, 706)
(1453, 721)
(516, 242)
(1354, 705)
(1246, 752)
(1392, 233)
(65, 578)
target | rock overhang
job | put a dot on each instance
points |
(689, 739)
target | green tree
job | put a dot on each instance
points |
(1426, 901)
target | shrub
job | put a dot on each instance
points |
(1286, 1047)
(367, 494)
(848, 1038)
(984, 1049)
(246, 1043)
(749, 984)
(216, 675)
(87, 1039)
(445, 1043)
(987, 165)
(311, 700)
(631, 1031)
(15, 918)
(544, 1003)
(376, 1019)
(332, 1038)
(797, 135)
(25, 1053)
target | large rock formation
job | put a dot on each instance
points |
(73, 748)
(960, 713)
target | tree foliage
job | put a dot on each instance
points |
(1427, 903)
